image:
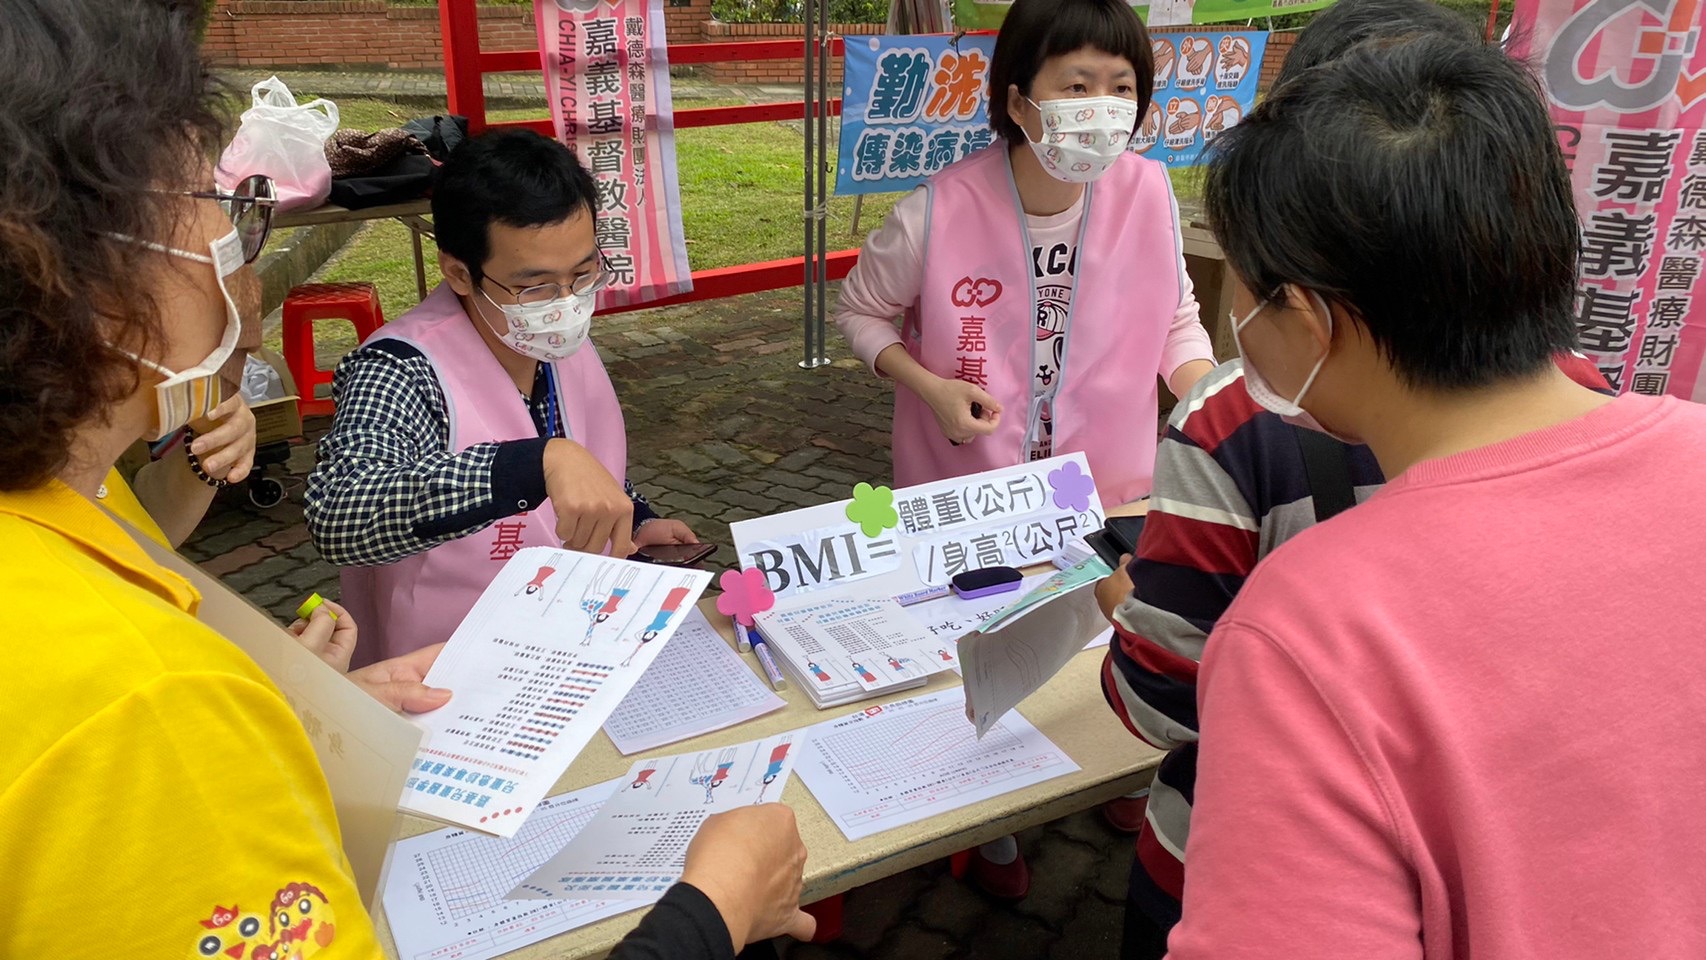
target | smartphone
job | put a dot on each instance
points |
(675, 554)
(1117, 538)
(1124, 531)
(1105, 547)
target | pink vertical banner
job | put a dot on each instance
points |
(607, 76)
(1626, 82)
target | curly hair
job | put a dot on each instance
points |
(99, 102)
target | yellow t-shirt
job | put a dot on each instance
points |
(158, 798)
(117, 496)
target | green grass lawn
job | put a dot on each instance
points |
(741, 191)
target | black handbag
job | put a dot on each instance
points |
(408, 177)
(440, 134)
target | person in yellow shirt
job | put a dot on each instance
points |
(158, 796)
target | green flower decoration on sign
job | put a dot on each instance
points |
(873, 509)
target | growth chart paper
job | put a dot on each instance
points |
(898, 763)
(445, 895)
(696, 685)
(637, 845)
(542, 659)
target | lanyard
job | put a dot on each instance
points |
(550, 401)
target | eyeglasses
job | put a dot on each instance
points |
(584, 285)
(250, 206)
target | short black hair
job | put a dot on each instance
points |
(1036, 30)
(1350, 22)
(1420, 186)
(514, 177)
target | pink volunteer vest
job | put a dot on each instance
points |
(976, 313)
(420, 600)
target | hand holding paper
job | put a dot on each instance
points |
(399, 682)
(1019, 649)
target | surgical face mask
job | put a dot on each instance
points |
(546, 331)
(188, 395)
(1083, 137)
(1263, 392)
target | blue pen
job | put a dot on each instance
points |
(761, 649)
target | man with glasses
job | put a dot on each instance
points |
(481, 421)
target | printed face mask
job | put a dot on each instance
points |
(187, 395)
(1083, 137)
(548, 331)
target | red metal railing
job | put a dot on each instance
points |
(465, 67)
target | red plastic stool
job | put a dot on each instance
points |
(958, 862)
(358, 303)
(828, 914)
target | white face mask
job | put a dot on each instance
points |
(1263, 392)
(1083, 137)
(187, 395)
(546, 331)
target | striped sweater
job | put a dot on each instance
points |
(1230, 487)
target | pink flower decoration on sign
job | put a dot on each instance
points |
(745, 594)
(1072, 487)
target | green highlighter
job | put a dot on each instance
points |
(310, 605)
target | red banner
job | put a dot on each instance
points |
(1626, 82)
(607, 76)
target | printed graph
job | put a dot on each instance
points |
(902, 762)
(472, 875)
(935, 743)
(445, 895)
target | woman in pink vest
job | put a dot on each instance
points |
(1042, 279)
(1043, 285)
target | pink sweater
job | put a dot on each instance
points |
(1467, 719)
(890, 273)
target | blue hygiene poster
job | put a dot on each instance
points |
(911, 105)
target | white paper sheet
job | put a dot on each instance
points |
(1021, 514)
(950, 618)
(696, 685)
(549, 650)
(445, 895)
(901, 762)
(637, 845)
(1019, 649)
(873, 643)
(842, 649)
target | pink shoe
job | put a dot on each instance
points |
(1125, 814)
(1003, 881)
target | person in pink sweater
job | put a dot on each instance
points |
(1041, 278)
(1445, 723)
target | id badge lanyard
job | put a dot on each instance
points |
(554, 419)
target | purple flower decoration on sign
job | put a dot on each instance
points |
(1072, 487)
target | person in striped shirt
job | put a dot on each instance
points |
(1232, 483)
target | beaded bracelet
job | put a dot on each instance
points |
(195, 463)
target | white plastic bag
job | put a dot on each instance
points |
(285, 141)
(260, 381)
